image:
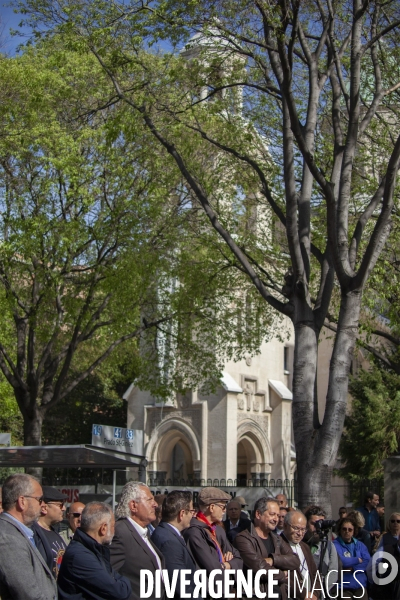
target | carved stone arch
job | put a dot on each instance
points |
(257, 447)
(162, 442)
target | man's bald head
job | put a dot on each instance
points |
(281, 500)
(294, 527)
(74, 515)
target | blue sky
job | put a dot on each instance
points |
(10, 20)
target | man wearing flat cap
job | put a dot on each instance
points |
(49, 543)
(206, 538)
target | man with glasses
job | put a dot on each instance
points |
(49, 543)
(206, 538)
(24, 575)
(177, 512)
(294, 528)
(74, 521)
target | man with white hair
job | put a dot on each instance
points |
(132, 549)
(85, 571)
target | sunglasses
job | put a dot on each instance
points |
(350, 529)
(395, 520)
(75, 515)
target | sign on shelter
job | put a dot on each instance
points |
(118, 438)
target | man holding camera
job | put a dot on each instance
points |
(322, 548)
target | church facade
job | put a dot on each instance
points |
(241, 434)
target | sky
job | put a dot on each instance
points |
(10, 20)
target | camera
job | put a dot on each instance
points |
(324, 524)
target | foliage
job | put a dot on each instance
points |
(285, 108)
(92, 401)
(372, 429)
(97, 247)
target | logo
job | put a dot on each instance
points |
(97, 429)
(118, 432)
(384, 568)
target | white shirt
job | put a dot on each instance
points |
(144, 534)
(296, 548)
(173, 527)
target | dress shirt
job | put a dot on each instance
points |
(27, 531)
(177, 530)
(296, 549)
(234, 526)
(144, 534)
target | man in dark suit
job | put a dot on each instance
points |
(177, 511)
(234, 523)
(132, 549)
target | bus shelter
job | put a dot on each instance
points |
(84, 455)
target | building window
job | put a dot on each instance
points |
(286, 360)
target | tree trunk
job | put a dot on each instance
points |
(33, 437)
(317, 445)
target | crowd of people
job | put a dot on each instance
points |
(291, 554)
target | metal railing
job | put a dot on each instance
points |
(264, 483)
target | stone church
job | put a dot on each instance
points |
(240, 434)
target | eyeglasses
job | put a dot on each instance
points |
(349, 529)
(40, 499)
(222, 506)
(395, 520)
(59, 504)
(75, 515)
(298, 529)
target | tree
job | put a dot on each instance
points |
(319, 83)
(93, 243)
(372, 429)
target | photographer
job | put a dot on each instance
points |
(322, 548)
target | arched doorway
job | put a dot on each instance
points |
(181, 462)
(173, 453)
(254, 453)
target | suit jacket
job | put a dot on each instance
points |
(130, 554)
(176, 554)
(24, 574)
(253, 552)
(312, 570)
(241, 526)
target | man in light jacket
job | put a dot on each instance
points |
(24, 574)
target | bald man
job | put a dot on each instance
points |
(282, 500)
(294, 528)
(234, 523)
(74, 521)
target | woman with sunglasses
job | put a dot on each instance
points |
(355, 558)
(392, 531)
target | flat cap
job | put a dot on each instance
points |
(50, 494)
(209, 495)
